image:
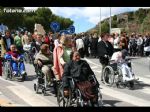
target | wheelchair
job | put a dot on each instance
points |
(8, 72)
(112, 74)
(29, 54)
(75, 97)
(41, 82)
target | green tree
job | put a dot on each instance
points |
(146, 24)
(114, 24)
(141, 14)
(115, 17)
(29, 23)
(105, 27)
(12, 20)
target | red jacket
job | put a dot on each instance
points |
(14, 54)
(46, 40)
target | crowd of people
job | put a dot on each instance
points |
(56, 51)
(133, 43)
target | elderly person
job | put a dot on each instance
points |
(15, 57)
(80, 71)
(61, 55)
(120, 57)
(45, 60)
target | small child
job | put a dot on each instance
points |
(119, 57)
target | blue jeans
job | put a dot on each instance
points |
(18, 67)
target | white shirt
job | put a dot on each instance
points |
(79, 44)
(117, 56)
(56, 43)
(116, 42)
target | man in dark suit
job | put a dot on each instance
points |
(104, 51)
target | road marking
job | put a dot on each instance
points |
(9, 81)
(98, 71)
(93, 67)
(92, 62)
(125, 97)
(144, 80)
(30, 97)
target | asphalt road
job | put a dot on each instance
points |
(22, 93)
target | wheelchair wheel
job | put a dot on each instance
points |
(119, 79)
(79, 102)
(99, 101)
(108, 76)
(31, 59)
(61, 100)
(44, 91)
(26, 57)
(36, 88)
(8, 71)
(131, 85)
(24, 77)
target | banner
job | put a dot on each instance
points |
(39, 29)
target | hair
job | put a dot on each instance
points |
(44, 47)
(104, 34)
(39, 34)
(58, 36)
(7, 31)
(72, 53)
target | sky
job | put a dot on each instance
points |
(86, 18)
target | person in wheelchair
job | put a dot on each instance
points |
(16, 58)
(80, 71)
(45, 61)
(120, 57)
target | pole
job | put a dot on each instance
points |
(100, 23)
(110, 22)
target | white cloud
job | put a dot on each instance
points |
(91, 14)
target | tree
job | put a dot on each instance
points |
(146, 24)
(114, 24)
(12, 20)
(141, 14)
(105, 27)
(29, 23)
(43, 16)
(115, 17)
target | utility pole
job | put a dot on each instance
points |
(100, 23)
(110, 21)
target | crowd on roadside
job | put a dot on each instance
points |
(135, 44)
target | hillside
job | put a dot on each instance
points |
(138, 21)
